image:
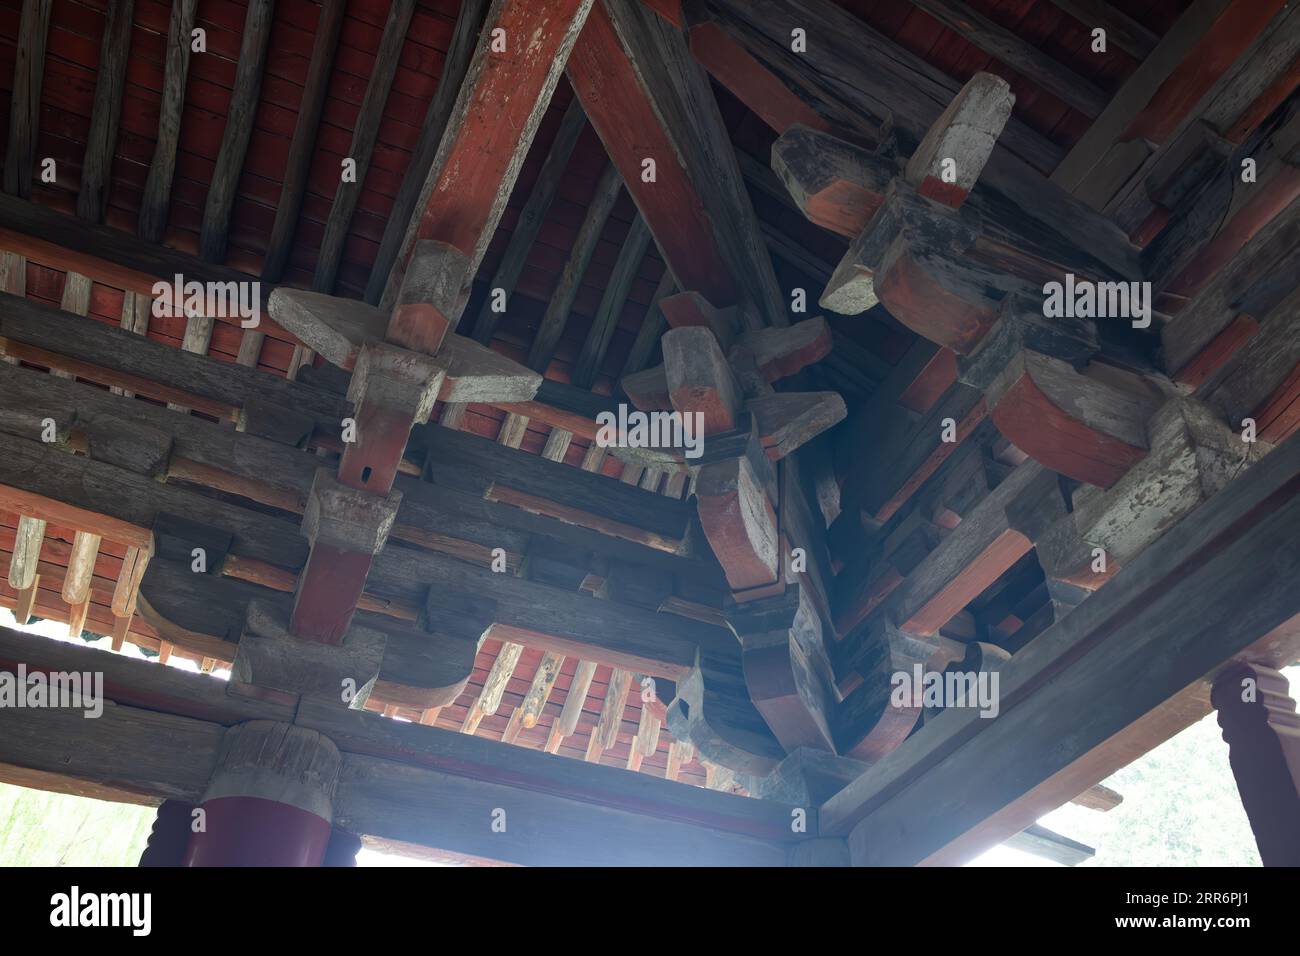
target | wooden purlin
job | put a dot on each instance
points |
(188, 713)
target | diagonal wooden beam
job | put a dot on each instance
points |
(651, 104)
(239, 130)
(25, 109)
(364, 135)
(1121, 29)
(155, 200)
(592, 356)
(101, 140)
(491, 127)
(530, 219)
(454, 70)
(1021, 55)
(1195, 593)
(853, 75)
(302, 147)
(575, 267)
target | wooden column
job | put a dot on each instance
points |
(170, 836)
(269, 803)
(1262, 730)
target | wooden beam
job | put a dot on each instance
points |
(302, 146)
(650, 102)
(1083, 169)
(25, 107)
(1121, 29)
(151, 367)
(1248, 285)
(490, 129)
(1259, 375)
(101, 140)
(852, 69)
(1021, 55)
(735, 68)
(531, 218)
(1194, 592)
(574, 699)
(494, 685)
(592, 356)
(455, 68)
(388, 769)
(155, 201)
(364, 136)
(652, 328)
(107, 255)
(1050, 845)
(1230, 36)
(566, 289)
(239, 130)
(952, 155)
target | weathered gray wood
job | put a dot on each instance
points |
(302, 146)
(552, 618)
(25, 107)
(1254, 281)
(27, 552)
(363, 144)
(239, 130)
(1121, 29)
(270, 656)
(494, 685)
(700, 379)
(1020, 55)
(574, 699)
(1196, 592)
(1050, 845)
(156, 198)
(127, 261)
(330, 325)
(789, 419)
(454, 70)
(422, 666)
(853, 65)
(963, 136)
(136, 682)
(1252, 78)
(611, 712)
(652, 329)
(548, 669)
(575, 267)
(1259, 367)
(592, 356)
(438, 515)
(474, 464)
(101, 139)
(399, 781)
(23, 320)
(128, 754)
(531, 218)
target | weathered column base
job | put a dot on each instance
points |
(269, 801)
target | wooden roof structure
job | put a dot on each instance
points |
(825, 226)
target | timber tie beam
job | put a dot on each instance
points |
(814, 351)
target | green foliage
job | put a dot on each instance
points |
(56, 829)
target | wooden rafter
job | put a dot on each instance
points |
(240, 115)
